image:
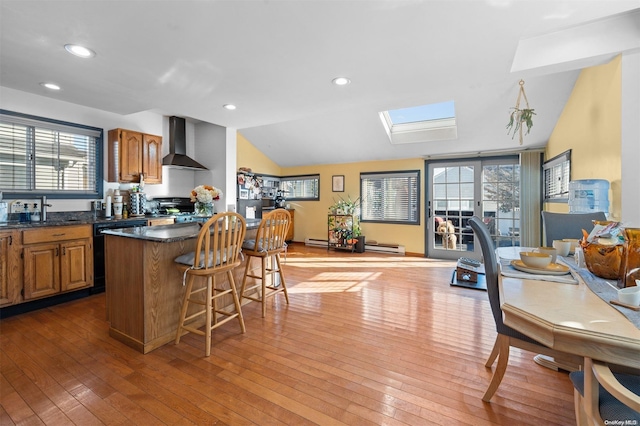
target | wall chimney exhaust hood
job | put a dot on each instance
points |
(178, 147)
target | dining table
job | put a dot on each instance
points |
(569, 312)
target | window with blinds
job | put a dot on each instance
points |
(40, 156)
(301, 188)
(556, 175)
(390, 197)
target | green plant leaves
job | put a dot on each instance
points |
(517, 118)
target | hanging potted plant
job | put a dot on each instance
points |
(520, 117)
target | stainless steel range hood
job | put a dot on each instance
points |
(178, 147)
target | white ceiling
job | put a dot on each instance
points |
(275, 60)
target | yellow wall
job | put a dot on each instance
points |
(311, 216)
(249, 156)
(590, 125)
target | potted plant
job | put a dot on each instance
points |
(352, 208)
(520, 117)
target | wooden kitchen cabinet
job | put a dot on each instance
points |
(56, 260)
(132, 153)
(10, 268)
(289, 236)
(152, 158)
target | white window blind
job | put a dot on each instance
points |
(390, 197)
(301, 188)
(38, 155)
(557, 174)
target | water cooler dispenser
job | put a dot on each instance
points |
(589, 196)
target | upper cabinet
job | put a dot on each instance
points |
(132, 153)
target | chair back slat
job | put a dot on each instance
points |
(220, 241)
(272, 231)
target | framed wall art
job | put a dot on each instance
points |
(244, 194)
(337, 183)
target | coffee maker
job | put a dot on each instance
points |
(280, 201)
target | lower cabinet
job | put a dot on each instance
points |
(289, 236)
(57, 259)
(10, 268)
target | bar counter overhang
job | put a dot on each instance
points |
(144, 287)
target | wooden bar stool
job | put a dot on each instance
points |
(217, 252)
(267, 246)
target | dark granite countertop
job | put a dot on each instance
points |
(72, 218)
(167, 233)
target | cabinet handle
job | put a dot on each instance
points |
(10, 239)
(59, 235)
(57, 252)
(64, 251)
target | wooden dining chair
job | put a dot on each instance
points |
(605, 397)
(267, 246)
(507, 336)
(217, 252)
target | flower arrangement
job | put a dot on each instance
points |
(205, 194)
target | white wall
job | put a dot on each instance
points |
(630, 139)
(176, 182)
(210, 151)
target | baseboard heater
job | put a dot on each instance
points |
(313, 242)
(380, 248)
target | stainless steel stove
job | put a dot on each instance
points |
(180, 207)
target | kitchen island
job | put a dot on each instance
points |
(144, 287)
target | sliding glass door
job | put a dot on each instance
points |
(452, 199)
(487, 188)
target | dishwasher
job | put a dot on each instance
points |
(98, 248)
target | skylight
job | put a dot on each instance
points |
(423, 123)
(422, 113)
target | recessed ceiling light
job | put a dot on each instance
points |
(341, 81)
(230, 107)
(80, 51)
(50, 86)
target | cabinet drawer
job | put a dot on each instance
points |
(56, 233)
(161, 221)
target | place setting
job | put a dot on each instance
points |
(541, 263)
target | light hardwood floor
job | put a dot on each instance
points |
(368, 339)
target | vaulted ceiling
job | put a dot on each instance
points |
(275, 61)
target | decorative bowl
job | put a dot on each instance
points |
(603, 261)
(630, 295)
(535, 260)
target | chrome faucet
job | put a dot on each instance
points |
(43, 215)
